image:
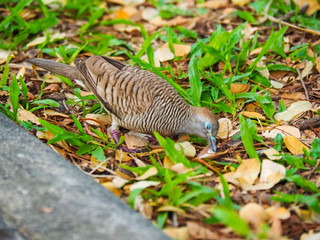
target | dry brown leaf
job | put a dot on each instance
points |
(179, 168)
(289, 98)
(278, 212)
(103, 118)
(197, 231)
(180, 233)
(272, 154)
(49, 112)
(295, 109)
(21, 72)
(39, 40)
(256, 51)
(121, 14)
(110, 186)
(181, 50)
(310, 236)
(143, 184)
(264, 72)
(53, 87)
(275, 231)
(270, 170)
(253, 115)
(167, 163)
(314, 5)
(308, 68)
(134, 141)
(284, 131)
(4, 54)
(214, 4)
(317, 64)
(188, 149)
(246, 173)
(225, 128)
(239, 88)
(294, 145)
(163, 54)
(122, 156)
(149, 13)
(24, 115)
(149, 173)
(119, 182)
(95, 162)
(253, 214)
(277, 85)
(240, 2)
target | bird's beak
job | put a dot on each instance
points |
(212, 141)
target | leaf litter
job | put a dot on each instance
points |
(265, 174)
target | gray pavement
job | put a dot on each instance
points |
(43, 196)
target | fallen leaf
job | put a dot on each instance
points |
(95, 162)
(225, 128)
(24, 115)
(197, 231)
(112, 188)
(264, 72)
(284, 131)
(306, 71)
(277, 85)
(278, 212)
(294, 145)
(314, 5)
(214, 4)
(122, 156)
(253, 214)
(253, 115)
(143, 185)
(179, 168)
(149, 13)
(272, 154)
(149, 173)
(270, 170)
(39, 40)
(103, 118)
(294, 110)
(246, 173)
(121, 14)
(310, 236)
(180, 233)
(239, 88)
(119, 182)
(188, 149)
(167, 163)
(240, 2)
(4, 54)
(134, 141)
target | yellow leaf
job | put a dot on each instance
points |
(110, 186)
(188, 149)
(294, 145)
(253, 115)
(167, 163)
(239, 88)
(122, 156)
(150, 172)
(122, 14)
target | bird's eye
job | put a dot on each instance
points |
(208, 126)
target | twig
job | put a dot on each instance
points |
(309, 123)
(308, 30)
(302, 83)
(290, 14)
(99, 165)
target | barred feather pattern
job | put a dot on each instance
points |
(138, 100)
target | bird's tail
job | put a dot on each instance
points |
(67, 71)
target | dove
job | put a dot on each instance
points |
(137, 99)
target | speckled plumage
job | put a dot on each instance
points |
(137, 99)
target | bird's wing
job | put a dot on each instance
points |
(121, 92)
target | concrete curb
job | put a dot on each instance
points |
(43, 196)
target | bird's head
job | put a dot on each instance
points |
(205, 125)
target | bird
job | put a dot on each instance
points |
(137, 99)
